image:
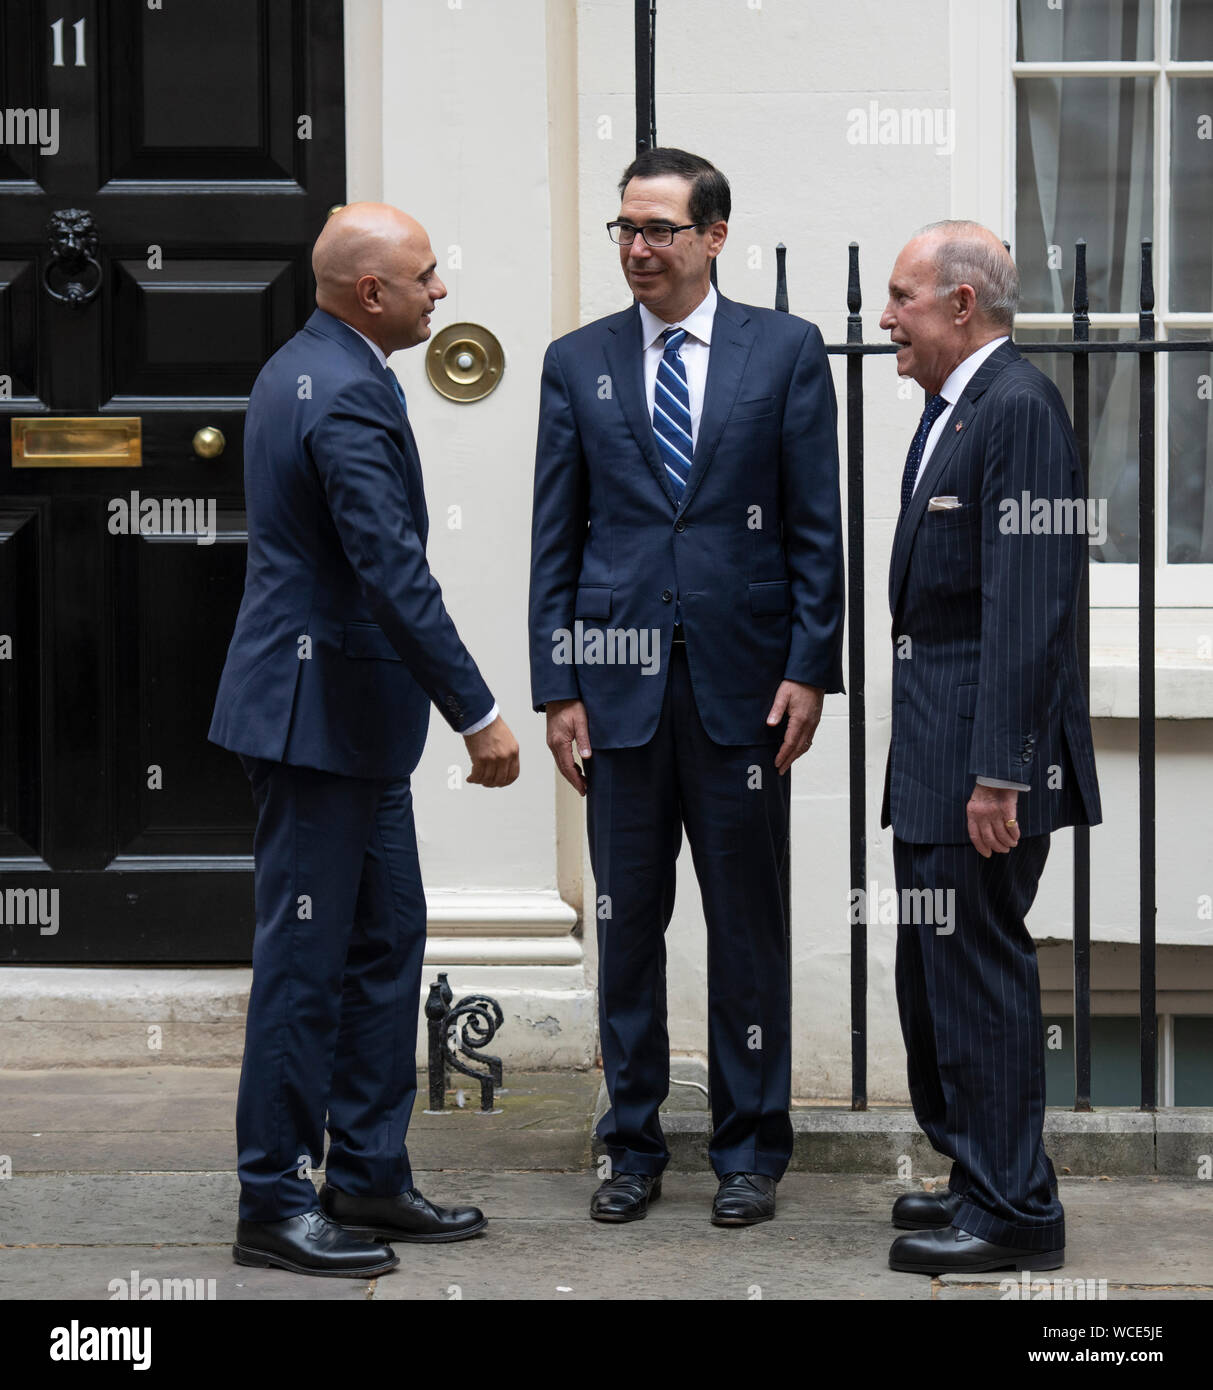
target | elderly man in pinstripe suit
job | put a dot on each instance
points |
(991, 745)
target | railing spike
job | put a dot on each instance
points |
(1081, 301)
(854, 298)
(781, 278)
(1147, 276)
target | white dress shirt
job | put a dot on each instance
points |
(492, 714)
(952, 390)
(372, 344)
(694, 353)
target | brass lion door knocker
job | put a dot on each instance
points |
(73, 239)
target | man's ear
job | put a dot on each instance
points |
(964, 302)
(366, 291)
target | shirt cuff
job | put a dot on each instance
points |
(1006, 786)
(480, 723)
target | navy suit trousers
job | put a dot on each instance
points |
(332, 1017)
(969, 997)
(735, 809)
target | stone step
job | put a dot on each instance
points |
(886, 1140)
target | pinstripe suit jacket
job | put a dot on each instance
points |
(986, 676)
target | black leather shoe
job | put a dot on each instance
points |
(953, 1251)
(407, 1216)
(625, 1197)
(310, 1244)
(743, 1199)
(920, 1211)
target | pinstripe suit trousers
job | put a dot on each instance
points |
(969, 998)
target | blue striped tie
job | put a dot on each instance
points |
(672, 411)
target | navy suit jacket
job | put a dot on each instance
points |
(752, 550)
(342, 639)
(986, 676)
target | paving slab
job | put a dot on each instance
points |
(181, 1119)
(71, 1236)
(116, 1171)
(106, 1272)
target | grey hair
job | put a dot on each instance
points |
(964, 256)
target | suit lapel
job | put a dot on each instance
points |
(415, 483)
(954, 431)
(624, 353)
(732, 341)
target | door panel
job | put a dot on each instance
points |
(198, 327)
(18, 306)
(176, 791)
(177, 115)
(22, 726)
(188, 156)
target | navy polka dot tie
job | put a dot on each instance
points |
(936, 405)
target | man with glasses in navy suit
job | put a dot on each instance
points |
(991, 745)
(686, 617)
(342, 643)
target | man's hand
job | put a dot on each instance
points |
(494, 754)
(802, 704)
(988, 811)
(567, 724)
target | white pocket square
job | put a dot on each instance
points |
(943, 504)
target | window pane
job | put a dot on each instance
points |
(1086, 31)
(1193, 1060)
(1084, 168)
(1190, 448)
(1115, 1061)
(1113, 415)
(1192, 195)
(1192, 30)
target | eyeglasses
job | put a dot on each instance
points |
(657, 234)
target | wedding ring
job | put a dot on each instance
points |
(1010, 824)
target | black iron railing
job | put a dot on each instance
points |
(1145, 346)
(855, 349)
(1080, 349)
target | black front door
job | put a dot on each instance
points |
(164, 170)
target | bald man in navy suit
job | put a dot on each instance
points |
(342, 643)
(991, 746)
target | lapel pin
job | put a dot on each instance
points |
(959, 426)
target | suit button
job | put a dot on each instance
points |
(680, 526)
(666, 596)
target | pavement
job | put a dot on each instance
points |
(121, 1176)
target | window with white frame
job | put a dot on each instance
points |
(1114, 143)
